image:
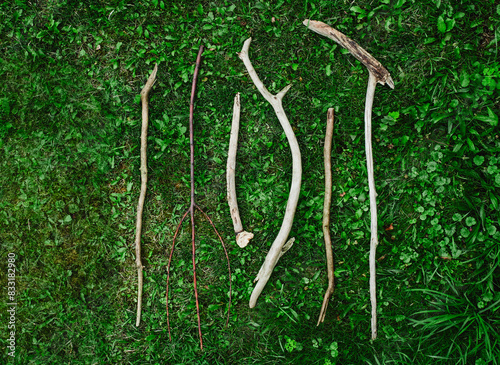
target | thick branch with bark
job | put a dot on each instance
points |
(242, 237)
(144, 180)
(277, 247)
(375, 67)
(326, 214)
(377, 74)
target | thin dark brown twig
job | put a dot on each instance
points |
(191, 209)
(227, 257)
(168, 267)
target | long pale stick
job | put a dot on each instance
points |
(277, 247)
(242, 237)
(142, 196)
(378, 74)
(370, 93)
(326, 214)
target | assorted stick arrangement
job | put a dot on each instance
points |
(377, 74)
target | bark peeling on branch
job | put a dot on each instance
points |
(375, 67)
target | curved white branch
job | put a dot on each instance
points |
(276, 102)
(242, 237)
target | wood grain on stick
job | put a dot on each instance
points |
(242, 237)
(326, 214)
(276, 249)
(144, 180)
(382, 75)
(370, 94)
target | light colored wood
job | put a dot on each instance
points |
(375, 67)
(144, 180)
(277, 247)
(377, 74)
(326, 214)
(370, 93)
(242, 237)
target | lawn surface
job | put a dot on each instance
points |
(70, 122)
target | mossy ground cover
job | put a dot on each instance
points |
(69, 142)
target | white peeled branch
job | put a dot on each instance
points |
(277, 247)
(242, 237)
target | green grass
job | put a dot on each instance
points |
(69, 183)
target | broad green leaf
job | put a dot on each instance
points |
(441, 24)
(394, 115)
(494, 200)
(464, 79)
(470, 221)
(328, 70)
(491, 118)
(471, 145)
(478, 160)
(212, 307)
(450, 24)
(399, 4)
(357, 9)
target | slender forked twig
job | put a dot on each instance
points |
(190, 211)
